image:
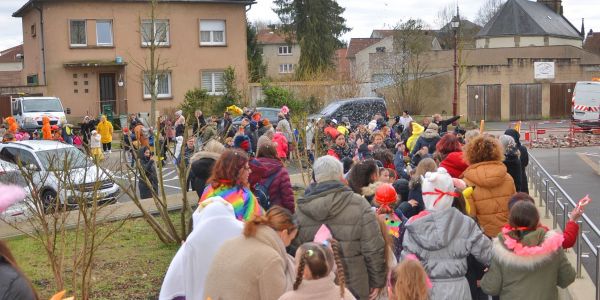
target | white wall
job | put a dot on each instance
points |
(15, 66)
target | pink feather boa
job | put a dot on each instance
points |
(550, 244)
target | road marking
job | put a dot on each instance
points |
(565, 177)
(590, 162)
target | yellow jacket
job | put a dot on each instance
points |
(343, 130)
(417, 129)
(105, 129)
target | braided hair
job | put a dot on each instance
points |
(341, 277)
(319, 259)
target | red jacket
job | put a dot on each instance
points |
(280, 190)
(570, 234)
(455, 164)
(282, 144)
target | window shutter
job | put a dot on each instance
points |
(207, 81)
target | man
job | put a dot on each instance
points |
(352, 222)
(405, 119)
(443, 124)
(225, 125)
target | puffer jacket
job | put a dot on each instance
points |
(13, 285)
(428, 139)
(280, 190)
(442, 240)
(105, 129)
(493, 187)
(530, 268)
(417, 130)
(282, 144)
(353, 224)
(455, 164)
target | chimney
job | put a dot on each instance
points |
(554, 5)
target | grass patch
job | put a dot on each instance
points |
(131, 264)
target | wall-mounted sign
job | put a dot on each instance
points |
(543, 70)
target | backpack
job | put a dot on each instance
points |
(261, 191)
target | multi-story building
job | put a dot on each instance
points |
(94, 54)
(279, 54)
(11, 66)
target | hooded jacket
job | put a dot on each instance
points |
(442, 240)
(513, 167)
(523, 157)
(353, 224)
(428, 139)
(417, 130)
(455, 164)
(105, 129)
(530, 268)
(251, 268)
(493, 187)
(280, 190)
(282, 144)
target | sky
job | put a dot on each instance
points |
(362, 16)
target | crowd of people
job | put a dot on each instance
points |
(396, 209)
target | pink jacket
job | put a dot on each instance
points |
(282, 144)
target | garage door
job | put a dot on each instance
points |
(5, 106)
(525, 102)
(560, 100)
(484, 102)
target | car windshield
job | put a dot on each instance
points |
(42, 105)
(63, 159)
(329, 109)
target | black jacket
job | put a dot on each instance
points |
(443, 124)
(12, 284)
(147, 166)
(513, 166)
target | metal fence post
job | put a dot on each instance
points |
(555, 213)
(597, 272)
(579, 243)
(546, 197)
(565, 215)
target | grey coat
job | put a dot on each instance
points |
(353, 224)
(442, 240)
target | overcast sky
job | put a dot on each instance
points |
(361, 15)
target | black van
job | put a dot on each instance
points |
(358, 110)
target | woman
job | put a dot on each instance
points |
(529, 262)
(363, 177)
(413, 204)
(523, 157)
(202, 165)
(229, 180)
(281, 142)
(492, 184)
(415, 132)
(268, 170)
(377, 140)
(216, 223)
(105, 129)
(442, 237)
(148, 176)
(450, 153)
(511, 159)
(179, 123)
(255, 265)
(340, 149)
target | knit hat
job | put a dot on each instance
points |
(402, 189)
(386, 195)
(438, 190)
(242, 142)
(433, 126)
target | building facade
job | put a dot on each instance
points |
(280, 55)
(94, 55)
(11, 65)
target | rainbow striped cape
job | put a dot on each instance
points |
(245, 204)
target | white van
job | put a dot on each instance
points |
(28, 111)
(586, 103)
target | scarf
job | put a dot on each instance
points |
(245, 205)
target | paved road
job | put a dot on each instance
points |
(577, 173)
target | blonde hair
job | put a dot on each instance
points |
(409, 281)
(424, 166)
(277, 217)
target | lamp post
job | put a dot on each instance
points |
(455, 26)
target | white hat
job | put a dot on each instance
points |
(438, 190)
(334, 121)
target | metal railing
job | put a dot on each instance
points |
(556, 201)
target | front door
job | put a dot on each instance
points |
(108, 94)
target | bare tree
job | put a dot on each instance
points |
(487, 11)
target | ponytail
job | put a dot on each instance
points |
(277, 217)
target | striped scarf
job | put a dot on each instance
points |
(245, 204)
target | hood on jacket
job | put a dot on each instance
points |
(487, 174)
(434, 230)
(417, 129)
(455, 164)
(535, 248)
(515, 135)
(430, 134)
(264, 167)
(325, 199)
(370, 189)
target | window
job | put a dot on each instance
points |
(32, 80)
(162, 85)
(104, 33)
(78, 33)
(212, 32)
(213, 82)
(33, 31)
(285, 50)
(286, 68)
(157, 31)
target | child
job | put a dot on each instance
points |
(96, 146)
(442, 238)
(408, 281)
(529, 261)
(229, 142)
(389, 223)
(315, 279)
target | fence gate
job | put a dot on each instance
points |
(560, 99)
(484, 102)
(525, 102)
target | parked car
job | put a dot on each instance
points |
(268, 113)
(586, 104)
(29, 111)
(358, 110)
(48, 161)
(10, 174)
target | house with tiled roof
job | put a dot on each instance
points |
(280, 53)
(93, 54)
(11, 64)
(592, 42)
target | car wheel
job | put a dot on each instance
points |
(49, 200)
